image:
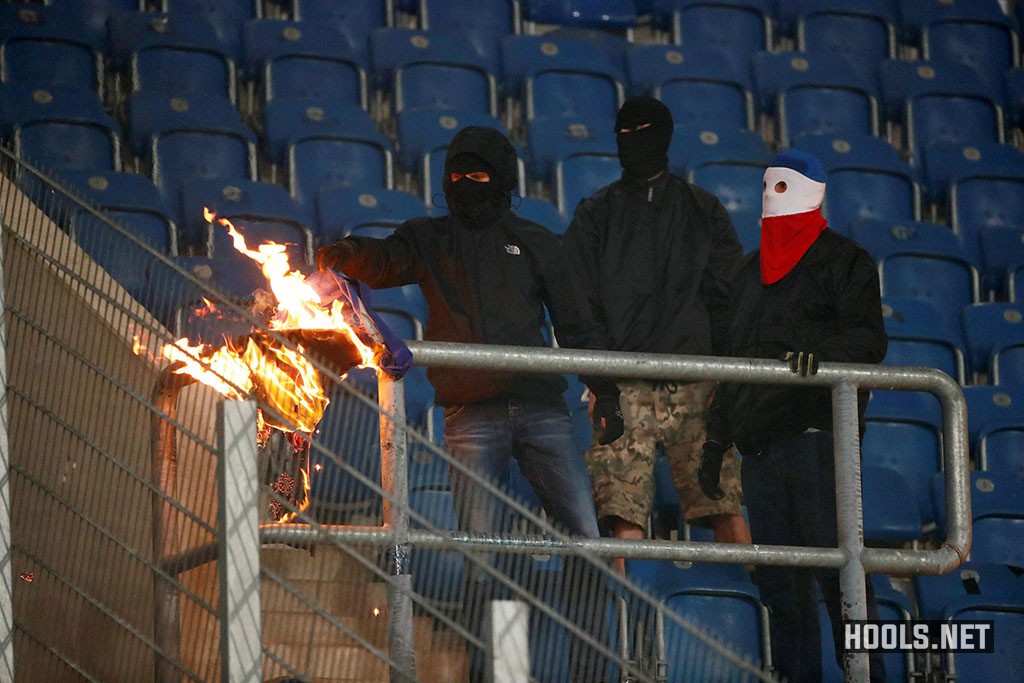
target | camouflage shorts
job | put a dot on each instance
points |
(622, 472)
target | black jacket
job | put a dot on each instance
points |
(828, 304)
(657, 259)
(483, 286)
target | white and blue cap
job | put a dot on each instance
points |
(794, 182)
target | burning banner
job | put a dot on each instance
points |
(324, 316)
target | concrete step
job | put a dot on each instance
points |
(328, 563)
(351, 598)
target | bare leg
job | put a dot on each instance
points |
(730, 529)
(623, 529)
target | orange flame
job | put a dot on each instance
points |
(285, 379)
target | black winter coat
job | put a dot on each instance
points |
(829, 304)
(657, 259)
(483, 286)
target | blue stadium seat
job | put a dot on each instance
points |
(38, 47)
(481, 23)
(261, 212)
(867, 179)
(699, 85)
(940, 102)
(561, 77)
(1002, 255)
(312, 63)
(693, 146)
(718, 599)
(997, 502)
(293, 59)
(132, 201)
(922, 260)
(175, 292)
(920, 335)
(915, 15)
(937, 595)
(326, 144)
(988, 328)
(1008, 366)
(420, 131)
(59, 127)
(406, 299)
(174, 54)
(357, 19)
(946, 164)
(738, 27)
(340, 210)
(582, 170)
(989, 47)
(999, 540)
(904, 434)
(345, 454)
(814, 94)
(666, 507)
(738, 183)
(551, 137)
(227, 17)
(576, 397)
(183, 138)
(540, 211)
(1015, 96)
(428, 469)
(891, 513)
(990, 410)
(89, 18)
(1007, 660)
(862, 33)
(432, 70)
(603, 14)
(436, 574)
(982, 202)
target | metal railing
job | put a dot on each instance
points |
(851, 557)
(167, 627)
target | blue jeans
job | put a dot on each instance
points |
(539, 435)
(790, 492)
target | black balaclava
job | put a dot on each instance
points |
(478, 148)
(643, 153)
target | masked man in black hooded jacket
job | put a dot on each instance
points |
(487, 276)
(657, 256)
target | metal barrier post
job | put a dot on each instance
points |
(395, 483)
(239, 557)
(6, 603)
(850, 519)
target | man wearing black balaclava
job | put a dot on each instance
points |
(657, 256)
(487, 276)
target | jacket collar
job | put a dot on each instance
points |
(651, 190)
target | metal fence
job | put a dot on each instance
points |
(137, 554)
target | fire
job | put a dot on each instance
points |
(282, 377)
(260, 366)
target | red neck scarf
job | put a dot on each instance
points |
(784, 241)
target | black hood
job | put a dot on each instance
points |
(643, 153)
(492, 146)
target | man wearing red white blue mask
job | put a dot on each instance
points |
(807, 295)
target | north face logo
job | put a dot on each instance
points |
(512, 249)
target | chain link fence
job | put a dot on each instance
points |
(114, 497)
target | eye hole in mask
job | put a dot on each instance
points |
(475, 176)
